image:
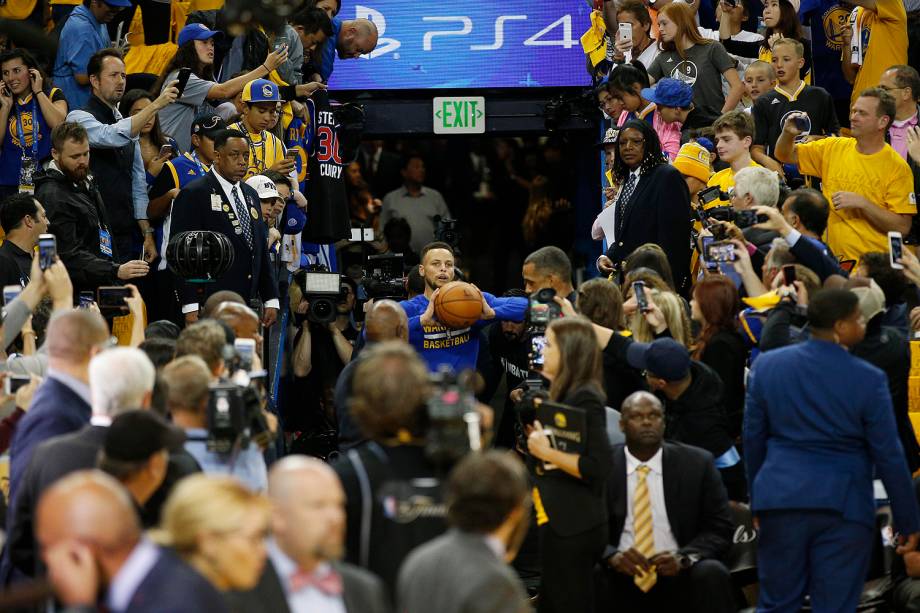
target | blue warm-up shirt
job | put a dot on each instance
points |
(439, 345)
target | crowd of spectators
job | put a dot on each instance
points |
(739, 381)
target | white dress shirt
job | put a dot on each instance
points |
(661, 526)
(229, 189)
(306, 600)
(131, 574)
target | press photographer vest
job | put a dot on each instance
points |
(112, 173)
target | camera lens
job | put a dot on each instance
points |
(321, 308)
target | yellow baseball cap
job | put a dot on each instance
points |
(693, 161)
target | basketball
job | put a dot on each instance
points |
(458, 305)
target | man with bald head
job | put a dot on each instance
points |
(385, 321)
(303, 573)
(91, 542)
(351, 38)
(670, 522)
(241, 319)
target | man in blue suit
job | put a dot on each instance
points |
(817, 421)
(92, 544)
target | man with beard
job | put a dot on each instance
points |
(669, 519)
(114, 143)
(303, 572)
(437, 344)
(506, 353)
(76, 213)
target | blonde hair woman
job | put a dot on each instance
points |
(675, 316)
(217, 525)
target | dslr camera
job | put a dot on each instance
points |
(323, 290)
(542, 309)
(453, 421)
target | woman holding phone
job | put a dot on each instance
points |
(156, 147)
(196, 52)
(569, 501)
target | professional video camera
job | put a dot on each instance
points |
(453, 421)
(447, 232)
(384, 278)
(323, 290)
(234, 414)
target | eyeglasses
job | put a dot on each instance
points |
(624, 142)
(885, 88)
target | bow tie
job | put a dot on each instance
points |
(329, 583)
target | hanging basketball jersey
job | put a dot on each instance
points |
(328, 219)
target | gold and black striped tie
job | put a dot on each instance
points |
(642, 529)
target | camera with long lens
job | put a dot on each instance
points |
(234, 414)
(742, 219)
(453, 421)
(383, 277)
(323, 290)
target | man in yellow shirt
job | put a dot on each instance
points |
(734, 133)
(880, 27)
(870, 187)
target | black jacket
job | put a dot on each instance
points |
(698, 417)
(76, 216)
(574, 505)
(694, 497)
(726, 354)
(658, 212)
(15, 265)
(251, 274)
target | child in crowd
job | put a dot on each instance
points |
(790, 94)
(734, 136)
(759, 79)
(608, 102)
(260, 112)
(674, 101)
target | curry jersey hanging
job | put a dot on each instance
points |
(327, 216)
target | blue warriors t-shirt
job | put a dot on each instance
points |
(827, 19)
(439, 345)
(27, 119)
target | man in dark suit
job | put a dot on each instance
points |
(219, 201)
(93, 547)
(302, 573)
(669, 520)
(818, 423)
(466, 569)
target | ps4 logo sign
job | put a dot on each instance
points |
(454, 26)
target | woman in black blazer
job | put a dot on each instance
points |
(570, 501)
(653, 206)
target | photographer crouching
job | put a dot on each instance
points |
(418, 427)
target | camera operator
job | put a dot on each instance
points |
(570, 501)
(189, 379)
(320, 352)
(393, 491)
(507, 354)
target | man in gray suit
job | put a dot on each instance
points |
(488, 508)
(302, 573)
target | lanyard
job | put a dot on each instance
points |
(194, 157)
(257, 162)
(20, 132)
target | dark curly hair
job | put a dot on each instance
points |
(653, 156)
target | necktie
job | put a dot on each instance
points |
(329, 583)
(625, 195)
(242, 215)
(642, 529)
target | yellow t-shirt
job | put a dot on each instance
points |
(887, 43)
(725, 179)
(883, 178)
(265, 150)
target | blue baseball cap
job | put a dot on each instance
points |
(664, 358)
(294, 219)
(193, 31)
(670, 92)
(123, 4)
(261, 90)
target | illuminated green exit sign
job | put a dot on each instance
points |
(459, 115)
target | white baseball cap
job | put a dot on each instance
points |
(264, 186)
